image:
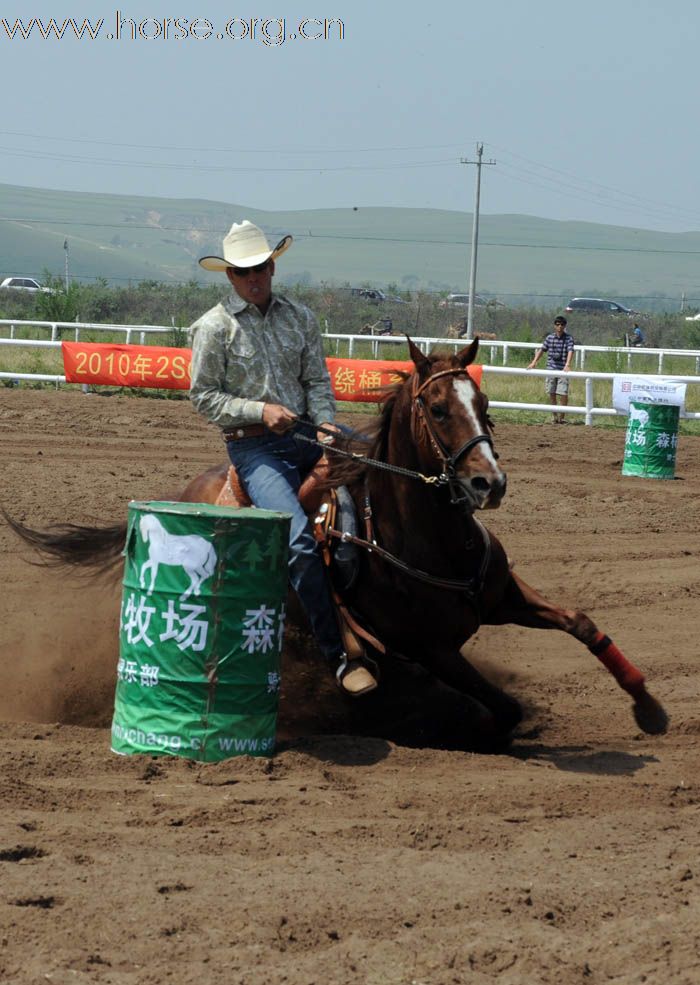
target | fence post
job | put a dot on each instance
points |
(589, 402)
(661, 362)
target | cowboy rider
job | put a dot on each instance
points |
(259, 374)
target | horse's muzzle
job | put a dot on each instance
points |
(486, 491)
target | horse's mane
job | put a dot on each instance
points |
(372, 443)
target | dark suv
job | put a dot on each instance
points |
(598, 306)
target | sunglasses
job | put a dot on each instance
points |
(244, 271)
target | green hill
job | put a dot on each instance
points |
(127, 238)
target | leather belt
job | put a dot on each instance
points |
(246, 431)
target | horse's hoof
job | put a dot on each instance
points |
(650, 715)
(355, 679)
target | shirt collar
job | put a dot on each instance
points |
(235, 304)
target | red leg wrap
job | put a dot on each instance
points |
(625, 673)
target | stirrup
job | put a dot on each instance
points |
(354, 678)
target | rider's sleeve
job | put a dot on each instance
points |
(208, 387)
(315, 378)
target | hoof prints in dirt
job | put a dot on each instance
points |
(42, 902)
(20, 853)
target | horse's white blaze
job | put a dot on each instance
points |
(467, 395)
(189, 551)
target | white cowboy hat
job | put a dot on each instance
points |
(245, 246)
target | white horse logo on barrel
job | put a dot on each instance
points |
(189, 551)
(639, 414)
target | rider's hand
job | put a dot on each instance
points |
(327, 439)
(278, 418)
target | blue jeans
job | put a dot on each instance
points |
(271, 469)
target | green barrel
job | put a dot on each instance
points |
(202, 619)
(651, 441)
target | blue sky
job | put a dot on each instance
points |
(589, 110)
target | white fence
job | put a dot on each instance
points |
(385, 347)
(10, 329)
(348, 344)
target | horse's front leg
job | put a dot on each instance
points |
(146, 566)
(153, 568)
(524, 606)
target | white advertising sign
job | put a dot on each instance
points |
(647, 389)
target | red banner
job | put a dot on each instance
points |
(160, 367)
(108, 363)
(355, 379)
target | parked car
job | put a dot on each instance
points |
(25, 284)
(462, 301)
(599, 306)
(375, 296)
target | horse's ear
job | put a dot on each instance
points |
(421, 362)
(467, 356)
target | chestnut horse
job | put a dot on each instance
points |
(430, 573)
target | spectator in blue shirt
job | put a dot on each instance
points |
(637, 335)
(559, 346)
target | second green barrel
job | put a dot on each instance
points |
(651, 440)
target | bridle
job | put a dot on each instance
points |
(472, 587)
(421, 414)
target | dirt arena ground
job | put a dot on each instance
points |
(574, 857)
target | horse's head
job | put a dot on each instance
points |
(452, 429)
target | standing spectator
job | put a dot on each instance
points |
(559, 346)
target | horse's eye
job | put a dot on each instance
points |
(439, 412)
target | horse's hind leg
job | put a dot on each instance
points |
(524, 606)
(503, 711)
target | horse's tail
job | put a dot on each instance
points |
(95, 548)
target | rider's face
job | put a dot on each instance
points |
(256, 286)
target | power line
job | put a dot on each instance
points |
(227, 150)
(126, 227)
(606, 188)
(216, 168)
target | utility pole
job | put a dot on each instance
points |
(65, 250)
(475, 235)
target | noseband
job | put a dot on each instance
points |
(449, 461)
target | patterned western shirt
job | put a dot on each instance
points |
(557, 348)
(242, 359)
